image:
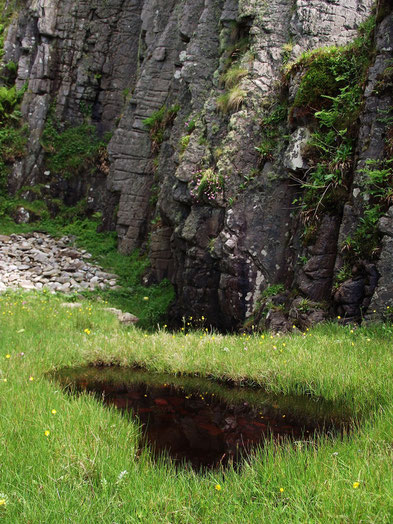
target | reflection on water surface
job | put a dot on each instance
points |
(200, 421)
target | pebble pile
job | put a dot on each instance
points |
(35, 261)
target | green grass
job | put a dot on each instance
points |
(75, 473)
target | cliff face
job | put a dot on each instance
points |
(210, 158)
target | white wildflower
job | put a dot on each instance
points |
(122, 474)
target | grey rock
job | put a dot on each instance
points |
(72, 305)
(26, 284)
(128, 319)
(55, 272)
(159, 54)
(125, 318)
(22, 216)
(293, 157)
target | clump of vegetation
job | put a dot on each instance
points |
(7, 7)
(189, 126)
(74, 150)
(13, 140)
(327, 70)
(208, 186)
(272, 290)
(233, 76)
(271, 126)
(9, 99)
(377, 187)
(13, 132)
(183, 142)
(237, 43)
(286, 52)
(331, 93)
(343, 274)
(232, 100)
(158, 122)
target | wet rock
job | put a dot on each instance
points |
(353, 297)
(351, 291)
(315, 278)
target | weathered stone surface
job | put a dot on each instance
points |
(316, 277)
(293, 157)
(383, 296)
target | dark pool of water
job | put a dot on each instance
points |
(202, 422)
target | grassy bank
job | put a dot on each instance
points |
(80, 463)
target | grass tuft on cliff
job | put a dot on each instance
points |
(232, 100)
(82, 464)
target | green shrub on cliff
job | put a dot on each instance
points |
(13, 139)
(329, 98)
(157, 123)
(327, 70)
(74, 150)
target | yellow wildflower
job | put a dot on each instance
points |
(53, 412)
(356, 485)
(217, 487)
(47, 433)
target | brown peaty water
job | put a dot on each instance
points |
(201, 422)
